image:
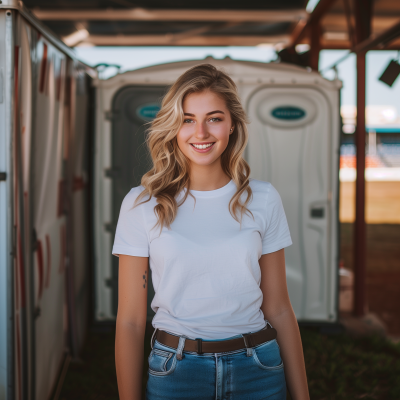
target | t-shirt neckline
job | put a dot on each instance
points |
(214, 193)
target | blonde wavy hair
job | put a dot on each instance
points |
(170, 173)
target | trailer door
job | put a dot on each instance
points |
(133, 108)
(290, 146)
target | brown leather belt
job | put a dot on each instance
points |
(200, 346)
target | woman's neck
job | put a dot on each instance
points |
(207, 177)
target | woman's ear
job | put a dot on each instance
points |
(231, 130)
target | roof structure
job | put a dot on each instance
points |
(207, 23)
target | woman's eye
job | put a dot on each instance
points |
(215, 119)
(187, 121)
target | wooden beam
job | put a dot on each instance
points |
(299, 32)
(177, 40)
(380, 41)
(141, 14)
(337, 21)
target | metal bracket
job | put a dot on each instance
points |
(34, 240)
(15, 4)
(3, 176)
(109, 282)
(36, 312)
(109, 115)
(110, 227)
(112, 172)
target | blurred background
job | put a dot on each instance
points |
(81, 79)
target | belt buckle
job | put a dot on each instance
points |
(248, 340)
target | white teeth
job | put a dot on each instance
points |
(202, 146)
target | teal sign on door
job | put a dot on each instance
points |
(288, 112)
(148, 111)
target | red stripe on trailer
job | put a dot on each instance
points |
(16, 286)
(21, 270)
(48, 247)
(78, 184)
(39, 253)
(43, 67)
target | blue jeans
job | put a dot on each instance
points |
(249, 374)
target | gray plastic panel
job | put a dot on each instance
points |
(133, 108)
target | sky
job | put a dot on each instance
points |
(130, 58)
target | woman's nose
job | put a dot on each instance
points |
(201, 131)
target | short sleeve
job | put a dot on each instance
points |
(131, 234)
(277, 234)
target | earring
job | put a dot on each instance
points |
(231, 129)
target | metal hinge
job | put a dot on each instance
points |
(34, 243)
(113, 172)
(36, 312)
(110, 227)
(3, 175)
(109, 115)
(110, 282)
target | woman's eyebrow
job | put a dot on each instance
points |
(215, 112)
(209, 113)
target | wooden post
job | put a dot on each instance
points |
(363, 13)
(315, 43)
(360, 226)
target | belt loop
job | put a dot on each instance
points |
(268, 323)
(248, 343)
(199, 346)
(153, 338)
(179, 350)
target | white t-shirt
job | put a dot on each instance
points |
(205, 269)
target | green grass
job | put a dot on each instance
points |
(343, 367)
(338, 367)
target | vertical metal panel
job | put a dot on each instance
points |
(6, 211)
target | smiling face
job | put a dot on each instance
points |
(206, 127)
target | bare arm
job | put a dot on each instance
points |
(278, 310)
(131, 325)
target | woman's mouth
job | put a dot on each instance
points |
(202, 147)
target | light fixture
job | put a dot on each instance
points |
(391, 72)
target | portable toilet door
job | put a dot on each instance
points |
(294, 145)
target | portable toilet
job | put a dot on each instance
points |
(293, 143)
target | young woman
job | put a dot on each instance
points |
(214, 239)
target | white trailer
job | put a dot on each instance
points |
(44, 206)
(294, 143)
